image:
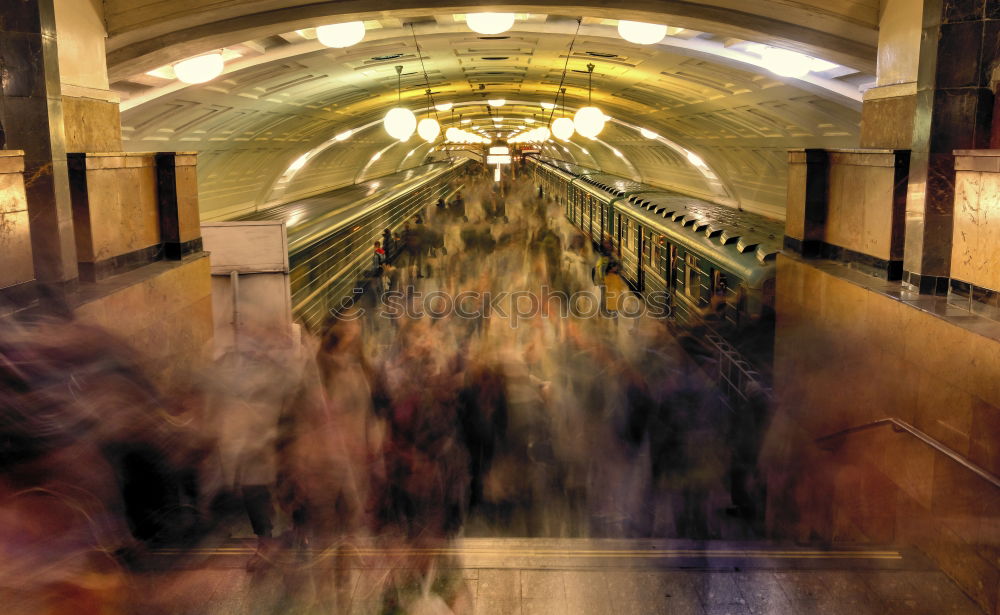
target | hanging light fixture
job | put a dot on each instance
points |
(340, 35)
(641, 33)
(428, 128)
(489, 23)
(589, 121)
(563, 127)
(786, 63)
(200, 69)
(400, 122)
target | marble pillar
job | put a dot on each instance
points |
(959, 47)
(31, 120)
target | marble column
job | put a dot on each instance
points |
(31, 120)
(960, 44)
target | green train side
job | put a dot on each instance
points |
(710, 258)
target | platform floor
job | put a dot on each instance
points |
(551, 577)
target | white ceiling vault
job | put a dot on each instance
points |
(284, 96)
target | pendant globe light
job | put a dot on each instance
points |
(400, 122)
(200, 69)
(489, 23)
(428, 128)
(589, 121)
(641, 33)
(340, 35)
(563, 127)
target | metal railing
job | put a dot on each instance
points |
(736, 377)
(902, 426)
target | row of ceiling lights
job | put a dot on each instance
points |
(204, 68)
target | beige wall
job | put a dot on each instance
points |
(80, 28)
(975, 252)
(846, 354)
(15, 238)
(163, 310)
(92, 125)
(795, 203)
(90, 109)
(120, 213)
(859, 216)
(898, 41)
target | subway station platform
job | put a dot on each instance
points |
(554, 577)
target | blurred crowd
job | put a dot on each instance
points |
(378, 438)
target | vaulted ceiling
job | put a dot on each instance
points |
(284, 95)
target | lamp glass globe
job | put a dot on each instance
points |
(641, 33)
(563, 128)
(340, 35)
(786, 63)
(589, 121)
(400, 123)
(428, 129)
(489, 23)
(200, 69)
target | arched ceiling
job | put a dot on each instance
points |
(284, 95)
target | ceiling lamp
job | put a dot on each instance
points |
(497, 102)
(649, 134)
(563, 128)
(442, 107)
(695, 159)
(641, 33)
(399, 122)
(428, 129)
(542, 133)
(200, 69)
(548, 106)
(489, 23)
(589, 121)
(340, 35)
(786, 63)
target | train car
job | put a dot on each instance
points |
(330, 236)
(713, 260)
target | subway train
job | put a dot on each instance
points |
(711, 259)
(330, 235)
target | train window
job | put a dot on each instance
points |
(663, 266)
(648, 249)
(692, 277)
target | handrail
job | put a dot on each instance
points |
(900, 425)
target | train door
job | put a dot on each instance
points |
(602, 230)
(590, 216)
(692, 279)
(671, 267)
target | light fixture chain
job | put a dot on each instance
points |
(427, 81)
(562, 80)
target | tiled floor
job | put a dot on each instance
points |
(559, 578)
